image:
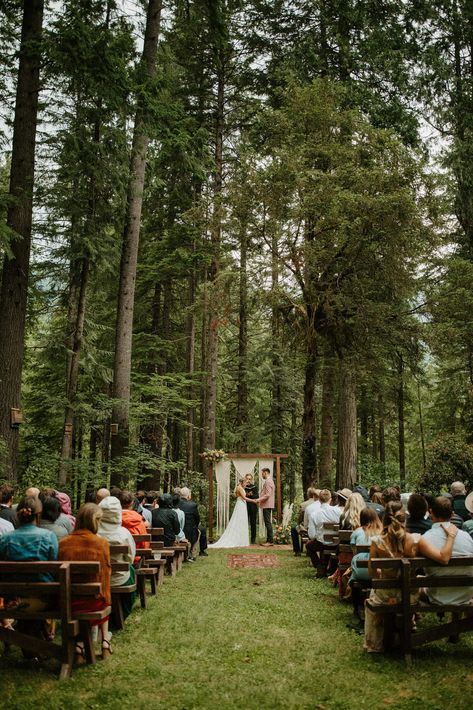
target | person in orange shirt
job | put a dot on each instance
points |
(132, 521)
(85, 545)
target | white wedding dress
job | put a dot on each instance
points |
(236, 533)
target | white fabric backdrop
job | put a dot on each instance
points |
(222, 475)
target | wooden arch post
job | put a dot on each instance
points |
(276, 457)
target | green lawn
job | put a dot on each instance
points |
(217, 638)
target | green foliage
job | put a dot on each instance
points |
(450, 459)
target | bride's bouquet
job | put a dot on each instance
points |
(214, 455)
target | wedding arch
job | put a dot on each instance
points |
(220, 472)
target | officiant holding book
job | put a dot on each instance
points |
(251, 492)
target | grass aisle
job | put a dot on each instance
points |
(218, 638)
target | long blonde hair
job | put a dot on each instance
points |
(240, 483)
(352, 510)
(394, 525)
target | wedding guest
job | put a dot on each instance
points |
(111, 529)
(458, 493)
(29, 543)
(165, 517)
(468, 525)
(32, 492)
(432, 545)
(312, 495)
(84, 545)
(50, 513)
(66, 509)
(63, 520)
(313, 504)
(391, 493)
(6, 501)
(131, 520)
(325, 514)
(394, 542)
(370, 525)
(142, 510)
(181, 537)
(418, 521)
(101, 494)
(191, 526)
(251, 491)
(350, 518)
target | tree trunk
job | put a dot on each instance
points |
(347, 429)
(401, 423)
(326, 426)
(73, 373)
(381, 437)
(421, 428)
(309, 461)
(242, 385)
(130, 243)
(190, 357)
(216, 234)
(276, 393)
(14, 284)
(363, 422)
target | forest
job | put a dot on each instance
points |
(243, 225)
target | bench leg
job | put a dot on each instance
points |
(117, 612)
(141, 584)
(86, 635)
(154, 588)
(68, 645)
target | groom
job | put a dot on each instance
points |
(266, 502)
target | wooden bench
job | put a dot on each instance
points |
(117, 592)
(59, 595)
(173, 554)
(143, 571)
(398, 617)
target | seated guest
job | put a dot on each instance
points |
(5, 526)
(458, 493)
(468, 525)
(377, 504)
(181, 537)
(311, 507)
(370, 525)
(390, 494)
(325, 514)
(142, 510)
(29, 543)
(350, 518)
(432, 545)
(132, 521)
(49, 515)
(66, 511)
(311, 496)
(6, 502)
(393, 542)
(84, 545)
(191, 527)
(418, 521)
(101, 494)
(165, 517)
(112, 530)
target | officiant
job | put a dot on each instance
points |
(251, 491)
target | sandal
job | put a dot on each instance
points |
(79, 655)
(106, 649)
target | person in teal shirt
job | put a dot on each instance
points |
(29, 543)
(370, 525)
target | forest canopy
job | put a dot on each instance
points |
(236, 224)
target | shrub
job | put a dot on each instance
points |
(450, 459)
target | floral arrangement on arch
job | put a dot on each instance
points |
(213, 455)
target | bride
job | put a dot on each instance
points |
(236, 532)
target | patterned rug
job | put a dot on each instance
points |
(252, 561)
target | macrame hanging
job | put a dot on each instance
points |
(222, 475)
